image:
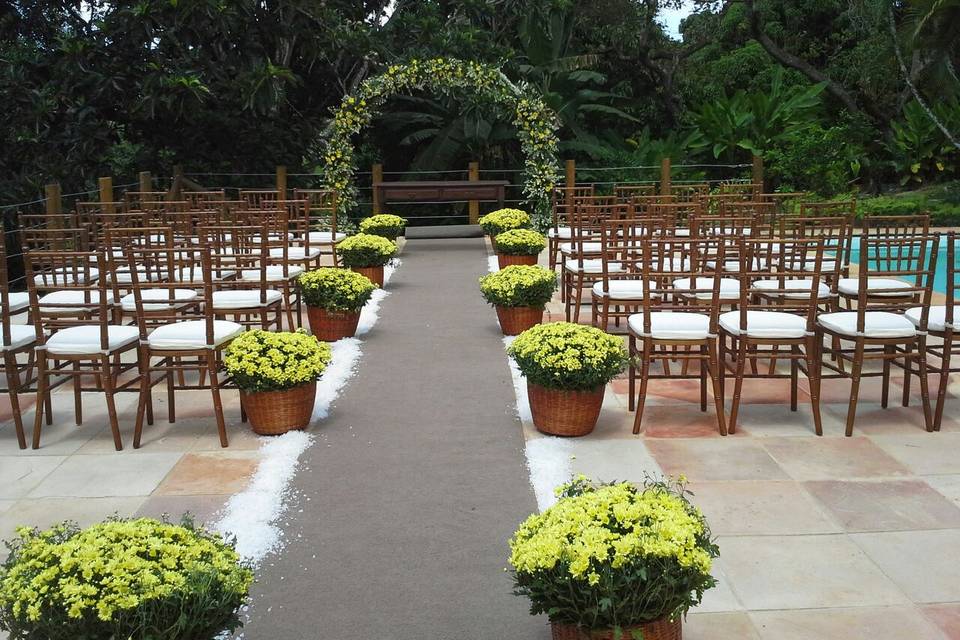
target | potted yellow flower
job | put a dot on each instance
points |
(385, 225)
(367, 254)
(334, 299)
(519, 246)
(277, 375)
(519, 294)
(496, 222)
(121, 579)
(567, 367)
(615, 561)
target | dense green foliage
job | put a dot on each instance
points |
(834, 95)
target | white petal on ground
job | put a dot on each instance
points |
(549, 460)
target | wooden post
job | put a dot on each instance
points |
(571, 170)
(106, 193)
(377, 178)
(54, 202)
(665, 176)
(177, 187)
(282, 181)
(758, 171)
(146, 181)
(474, 207)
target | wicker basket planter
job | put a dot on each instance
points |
(330, 326)
(662, 629)
(273, 413)
(564, 412)
(507, 260)
(374, 273)
(516, 320)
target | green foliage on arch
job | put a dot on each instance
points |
(536, 123)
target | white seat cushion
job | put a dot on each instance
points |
(729, 288)
(124, 276)
(851, 286)
(295, 253)
(765, 324)
(759, 264)
(560, 232)
(18, 300)
(85, 339)
(128, 303)
(243, 299)
(592, 266)
(588, 247)
(877, 324)
(622, 289)
(62, 276)
(937, 318)
(196, 276)
(50, 302)
(326, 236)
(679, 232)
(826, 266)
(665, 325)
(802, 286)
(274, 273)
(20, 336)
(192, 334)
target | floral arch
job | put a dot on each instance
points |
(536, 123)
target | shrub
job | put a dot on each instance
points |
(614, 555)
(519, 286)
(132, 579)
(366, 250)
(496, 222)
(942, 202)
(520, 242)
(563, 355)
(275, 361)
(384, 225)
(335, 289)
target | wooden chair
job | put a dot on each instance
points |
(78, 337)
(582, 264)
(18, 340)
(627, 192)
(689, 190)
(562, 203)
(837, 208)
(776, 312)
(177, 336)
(667, 322)
(322, 212)
(262, 198)
(941, 323)
(199, 200)
(878, 328)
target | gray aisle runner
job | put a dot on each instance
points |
(401, 528)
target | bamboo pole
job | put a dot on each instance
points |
(571, 171)
(757, 170)
(146, 181)
(105, 185)
(282, 181)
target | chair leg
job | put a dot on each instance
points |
(794, 375)
(215, 392)
(703, 377)
(924, 383)
(907, 374)
(885, 391)
(578, 301)
(716, 377)
(855, 370)
(171, 401)
(13, 388)
(813, 378)
(106, 378)
(77, 394)
(42, 392)
(145, 392)
(737, 385)
(944, 380)
(631, 371)
(644, 377)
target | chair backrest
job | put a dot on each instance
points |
(788, 272)
(132, 199)
(627, 192)
(886, 226)
(708, 225)
(261, 198)
(322, 206)
(765, 212)
(664, 262)
(689, 191)
(953, 271)
(158, 302)
(909, 258)
(39, 247)
(202, 199)
(679, 212)
(747, 190)
(846, 208)
(236, 252)
(836, 233)
(6, 309)
(93, 301)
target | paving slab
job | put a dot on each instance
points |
(404, 535)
